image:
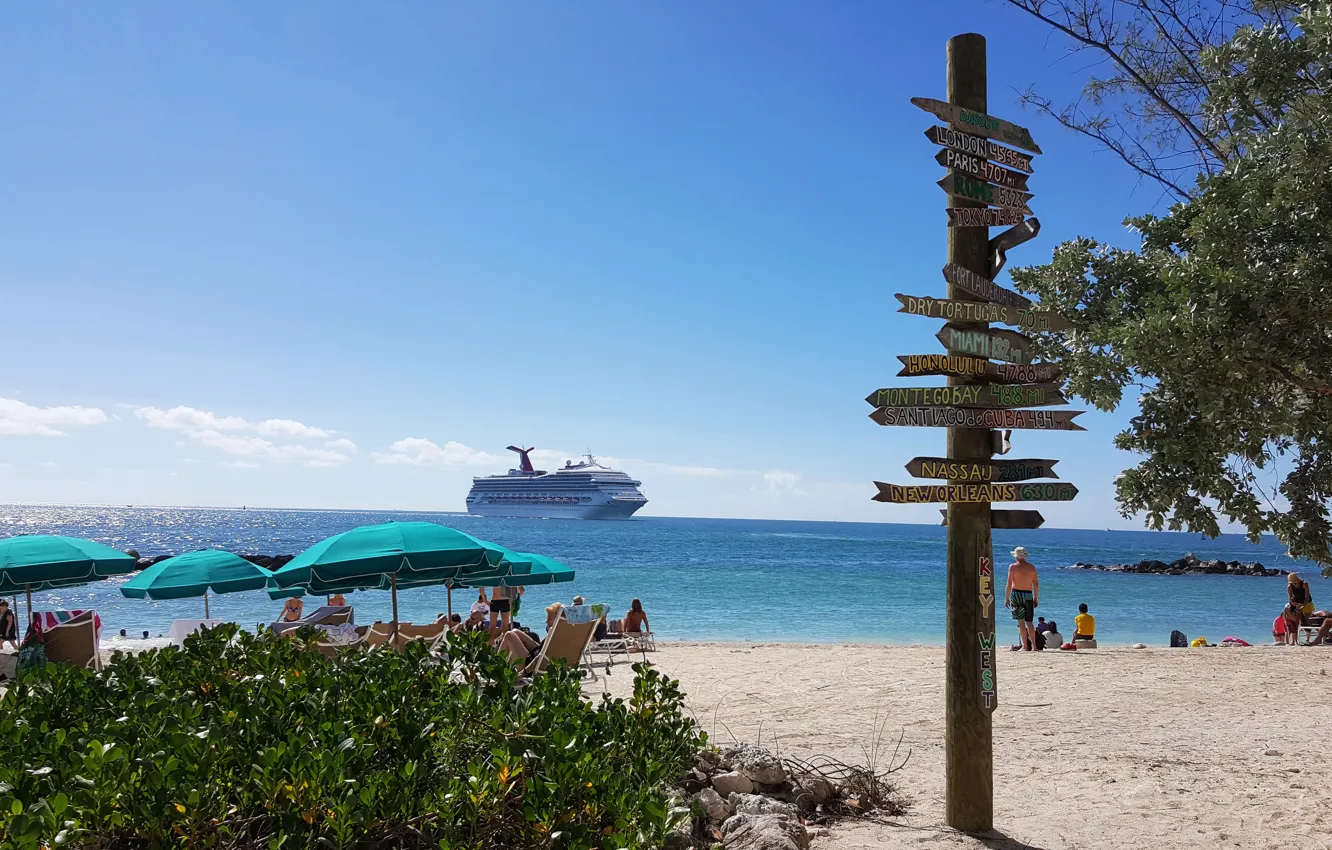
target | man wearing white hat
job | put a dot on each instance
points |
(1022, 595)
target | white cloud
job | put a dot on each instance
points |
(188, 419)
(418, 451)
(289, 428)
(341, 445)
(241, 464)
(18, 419)
(782, 483)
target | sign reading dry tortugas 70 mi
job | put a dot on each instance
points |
(974, 395)
(980, 311)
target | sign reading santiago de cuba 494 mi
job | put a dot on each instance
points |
(982, 169)
(1060, 491)
(974, 417)
(981, 470)
(979, 123)
(960, 185)
(1007, 346)
(976, 146)
(977, 311)
(973, 395)
(983, 288)
(958, 366)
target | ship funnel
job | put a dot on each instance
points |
(525, 462)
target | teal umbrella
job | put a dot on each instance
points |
(44, 561)
(389, 556)
(542, 570)
(195, 574)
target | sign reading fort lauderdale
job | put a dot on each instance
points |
(976, 311)
(983, 470)
(983, 288)
(967, 417)
(1056, 492)
(924, 365)
(975, 395)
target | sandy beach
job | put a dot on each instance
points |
(1111, 748)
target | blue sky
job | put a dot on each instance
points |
(246, 250)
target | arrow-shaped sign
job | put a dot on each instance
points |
(1008, 240)
(983, 288)
(915, 493)
(960, 185)
(982, 169)
(981, 470)
(924, 365)
(970, 417)
(981, 217)
(979, 123)
(980, 311)
(977, 146)
(969, 395)
(1007, 346)
(1008, 519)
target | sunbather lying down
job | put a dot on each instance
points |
(519, 646)
(1325, 630)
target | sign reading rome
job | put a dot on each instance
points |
(961, 185)
(981, 470)
(974, 395)
(977, 146)
(915, 493)
(979, 123)
(970, 417)
(958, 366)
(982, 169)
(977, 311)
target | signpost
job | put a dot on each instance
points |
(978, 122)
(961, 185)
(981, 217)
(975, 395)
(977, 146)
(1001, 471)
(967, 417)
(1010, 239)
(955, 365)
(979, 286)
(978, 311)
(1060, 491)
(982, 169)
(1008, 519)
(995, 345)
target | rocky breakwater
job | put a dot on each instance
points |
(1190, 564)
(268, 562)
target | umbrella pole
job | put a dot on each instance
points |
(393, 582)
(28, 589)
(206, 615)
(449, 585)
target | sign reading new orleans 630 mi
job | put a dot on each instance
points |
(1050, 492)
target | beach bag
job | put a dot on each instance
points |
(1178, 638)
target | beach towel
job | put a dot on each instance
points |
(343, 634)
(51, 619)
(585, 613)
(1231, 640)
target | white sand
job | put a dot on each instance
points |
(1160, 748)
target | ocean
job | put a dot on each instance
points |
(715, 579)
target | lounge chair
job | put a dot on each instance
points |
(565, 642)
(432, 633)
(74, 642)
(1309, 630)
(618, 640)
(324, 615)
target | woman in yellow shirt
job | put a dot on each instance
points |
(1084, 625)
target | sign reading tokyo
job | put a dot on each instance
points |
(981, 470)
(979, 122)
(981, 217)
(977, 146)
(915, 493)
(970, 417)
(975, 395)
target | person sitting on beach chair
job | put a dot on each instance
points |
(291, 610)
(1324, 633)
(522, 647)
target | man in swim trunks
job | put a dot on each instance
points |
(1021, 595)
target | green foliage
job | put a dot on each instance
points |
(1223, 316)
(255, 742)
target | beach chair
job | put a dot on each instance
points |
(565, 642)
(1309, 630)
(74, 642)
(324, 615)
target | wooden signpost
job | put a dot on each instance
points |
(1008, 519)
(970, 417)
(982, 169)
(980, 311)
(981, 217)
(979, 286)
(959, 366)
(1007, 346)
(975, 395)
(980, 123)
(1060, 491)
(961, 185)
(1002, 471)
(1010, 239)
(977, 146)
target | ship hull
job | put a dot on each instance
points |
(615, 509)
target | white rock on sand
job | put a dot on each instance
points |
(1119, 748)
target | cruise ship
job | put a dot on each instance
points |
(585, 490)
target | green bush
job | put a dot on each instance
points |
(255, 742)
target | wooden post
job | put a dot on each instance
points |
(968, 740)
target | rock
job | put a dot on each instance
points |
(817, 788)
(819, 832)
(681, 835)
(758, 764)
(755, 804)
(1189, 564)
(709, 761)
(1138, 646)
(732, 783)
(764, 832)
(712, 803)
(1272, 753)
(133, 553)
(694, 780)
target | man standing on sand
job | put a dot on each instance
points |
(1022, 595)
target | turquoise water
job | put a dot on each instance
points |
(717, 578)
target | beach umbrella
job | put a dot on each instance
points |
(526, 569)
(389, 556)
(45, 562)
(195, 574)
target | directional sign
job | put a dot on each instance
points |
(981, 470)
(973, 395)
(977, 146)
(981, 168)
(1008, 519)
(1007, 346)
(960, 185)
(923, 365)
(983, 288)
(913, 493)
(979, 311)
(979, 123)
(1010, 239)
(981, 217)
(968, 417)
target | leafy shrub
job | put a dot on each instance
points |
(240, 741)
